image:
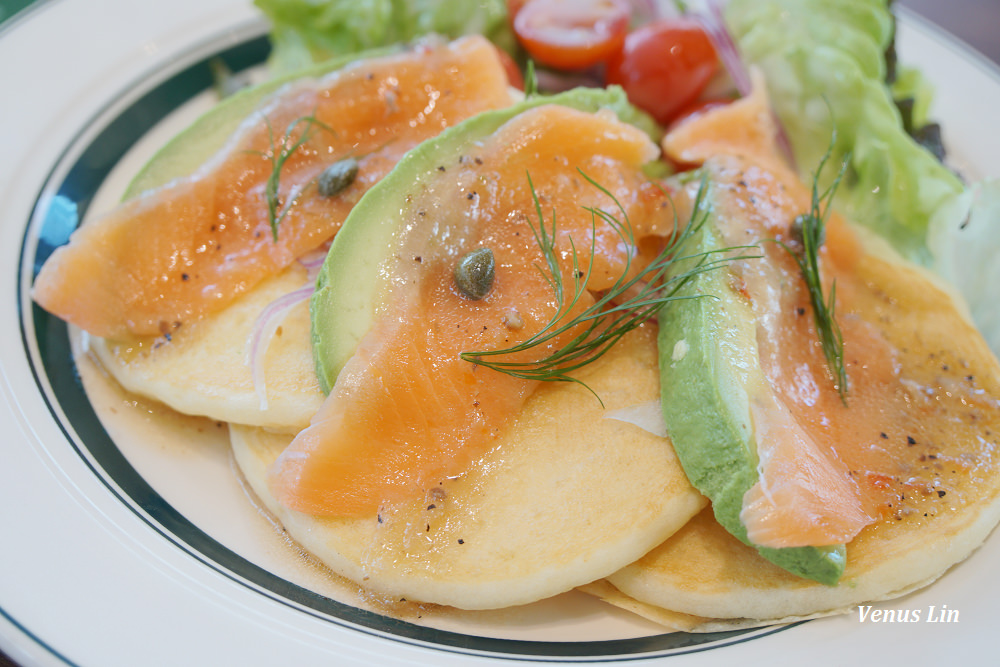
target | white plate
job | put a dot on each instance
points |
(130, 541)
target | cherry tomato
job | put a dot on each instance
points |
(572, 34)
(513, 7)
(664, 66)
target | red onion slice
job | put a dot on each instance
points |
(264, 328)
(313, 260)
(714, 24)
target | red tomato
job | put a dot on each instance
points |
(572, 34)
(664, 66)
(513, 7)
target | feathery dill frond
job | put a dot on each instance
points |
(809, 233)
(278, 155)
(616, 311)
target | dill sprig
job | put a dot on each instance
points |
(530, 80)
(278, 156)
(616, 311)
(809, 232)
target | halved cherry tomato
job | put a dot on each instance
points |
(664, 66)
(513, 7)
(572, 34)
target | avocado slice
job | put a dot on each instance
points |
(709, 369)
(194, 145)
(348, 287)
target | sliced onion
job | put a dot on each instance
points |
(313, 260)
(714, 24)
(264, 328)
(648, 416)
(715, 27)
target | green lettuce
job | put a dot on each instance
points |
(824, 61)
(911, 84)
(310, 31)
(965, 240)
(826, 68)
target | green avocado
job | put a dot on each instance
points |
(348, 286)
(193, 146)
(709, 369)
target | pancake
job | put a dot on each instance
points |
(171, 320)
(566, 497)
(952, 382)
(203, 369)
(915, 435)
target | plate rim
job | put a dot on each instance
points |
(97, 451)
(967, 53)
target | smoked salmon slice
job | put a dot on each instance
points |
(406, 411)
(817, 456)
(189, 248)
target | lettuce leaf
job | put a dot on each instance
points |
(825, 64)
(966, 243)
(310, 31)
(824, 61)
(911, 84)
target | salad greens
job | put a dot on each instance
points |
(305, 32)
(830, 67)
(825, 68)
(966, 244)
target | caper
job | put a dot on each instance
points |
(474, 274)
(337, 177)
